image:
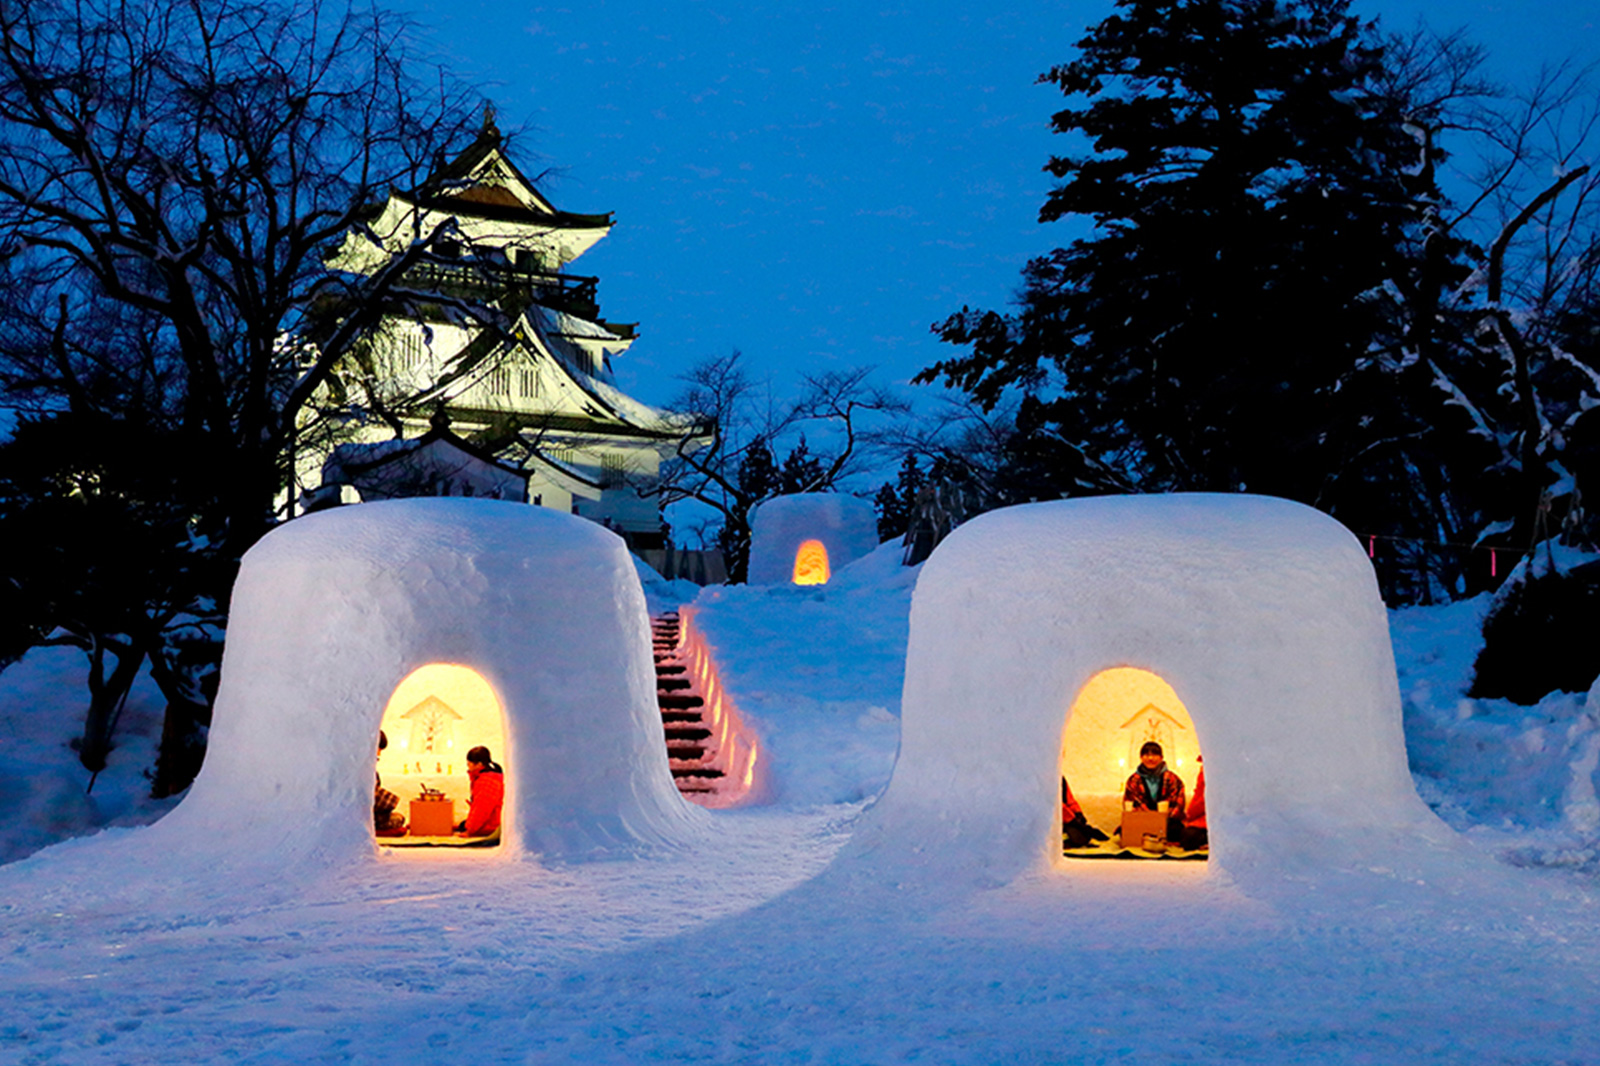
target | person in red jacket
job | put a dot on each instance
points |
(488, 792)
(1076, 832)
(1152, 784)
(1195, 833)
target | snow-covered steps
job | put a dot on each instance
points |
(710, 749)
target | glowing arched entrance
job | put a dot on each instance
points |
(435, 716)
(811, 564)
(1114, 714)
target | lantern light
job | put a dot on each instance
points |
(750, 767)
(811, 564)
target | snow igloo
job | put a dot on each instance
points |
(1052, 639)
(803, 539)
(450, 623)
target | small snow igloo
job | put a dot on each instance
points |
(465, 622)
(804, 538)
(1258, 617)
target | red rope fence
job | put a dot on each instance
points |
(1493, 551)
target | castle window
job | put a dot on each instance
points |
(411, 350)
(527, 383)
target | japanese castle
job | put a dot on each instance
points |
(491, 375)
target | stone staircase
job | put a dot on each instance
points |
(710, 750)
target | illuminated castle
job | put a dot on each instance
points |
(500, 351)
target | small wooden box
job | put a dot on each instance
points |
(432, 818)
(1136, 824)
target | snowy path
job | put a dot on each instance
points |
(676, 960)
(201, 967)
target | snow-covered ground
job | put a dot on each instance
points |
(42, 698)
(772, 942)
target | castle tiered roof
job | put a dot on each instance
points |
(492, 328)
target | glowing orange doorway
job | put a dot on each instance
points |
(435, 716)
(1115, 713)
(811, 564)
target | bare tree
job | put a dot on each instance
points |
(174, 178)
(752, 423)
(1535, 215)
(1502, 267)
(198, 162)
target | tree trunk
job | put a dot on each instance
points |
(183, 742)
(106, 695)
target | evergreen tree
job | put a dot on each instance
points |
(802, 472)
(896, 500)
(758, 472)
(1251, 187)
(101, 549)
(891, 515)
(757, 479)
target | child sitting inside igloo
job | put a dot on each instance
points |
(1153, 787)
(1196, 834)
(488, 793)
(386, 821)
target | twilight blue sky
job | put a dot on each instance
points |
(815, 184)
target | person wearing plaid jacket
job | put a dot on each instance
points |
(1153, 784)
(385, 819)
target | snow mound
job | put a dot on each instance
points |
(332, 611)
(846, 526)
(1263, 615)
(41, 706)
(819, 671)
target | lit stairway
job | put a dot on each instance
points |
(711, 756)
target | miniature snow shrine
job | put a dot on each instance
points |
(452, 624)
(1261, 617)
(513, 351)
(803, 539)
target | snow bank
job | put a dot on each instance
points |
(1521, 781)
(332, 611)
(42, 701)
(819, 672)
(847, 527)
(1263, 615)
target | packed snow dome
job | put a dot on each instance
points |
(804, 538)
(1264, 618)
(453, 624)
